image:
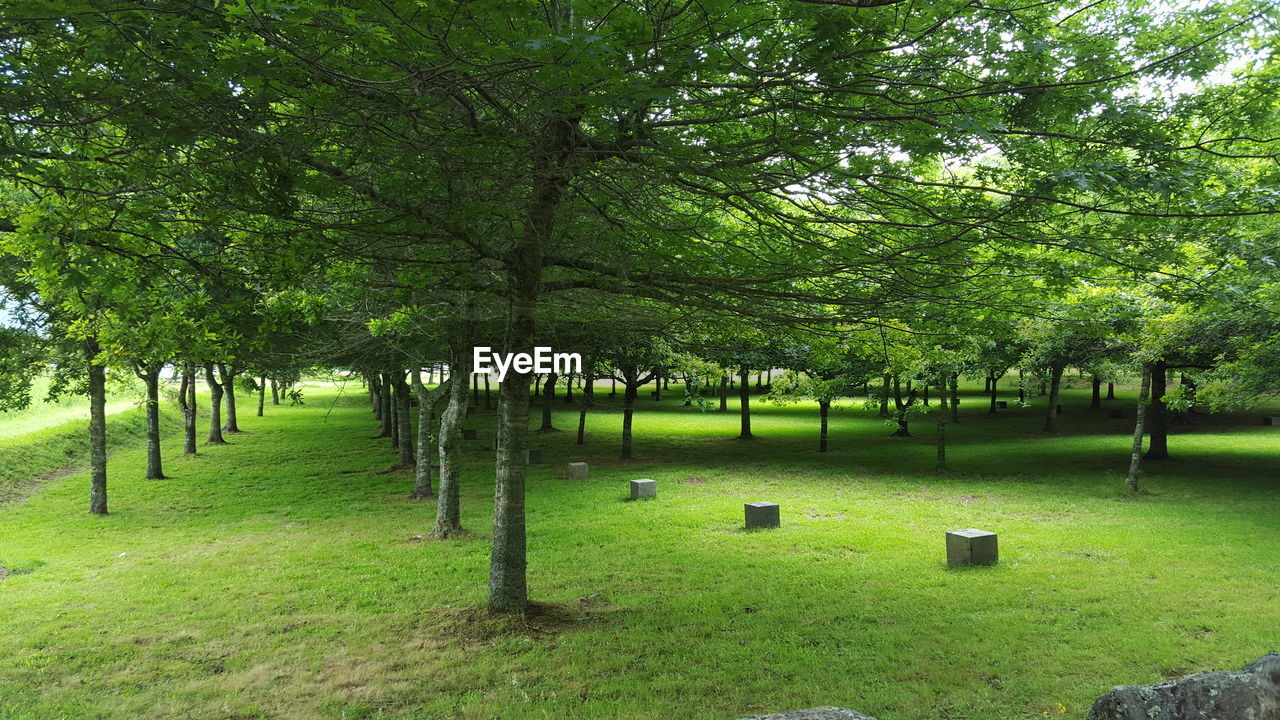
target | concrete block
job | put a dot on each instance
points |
(533, 456)
(468, 434)
(578, 471)
(1271, 421)
(762, 515)
(971, 547)
(1002, 403)
(644, 489)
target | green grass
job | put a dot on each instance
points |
(279, 577)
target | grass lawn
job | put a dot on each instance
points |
(280, 576)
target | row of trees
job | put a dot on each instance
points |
(897, 191)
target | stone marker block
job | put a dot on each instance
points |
(577, 471)
(1002, 403)
(644, 489)
(468, 434)
(533, 456)
(971, 547)
(762, 515)
(655, 394)
(1271, 421)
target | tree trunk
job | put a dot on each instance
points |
(427, 400)
(475, 390)
(724, 393)
(275, 391)
(589, 385)
(384, 405)
(187, 401)
(1158, 413)
(629, 392)
(97, 430)
(508, 564)
(824, 408)
(992, 385)
(448, 512)
(582, 423)
(548, 397)
(955, 397)
(688, 391)
(1095, 400)
(613, 387)
(404, 431)
(941, 464)
(488, 398)
(568, 390)
(262, 395)
(1022, 386)
(900, 409)
(1139, 429)
(884, 396)
(1111, 391)
(230, 423)
(215, 406)
(508, 581)
(395, 415)
(229, 387)
(151, 376)
(744, 397)
(1055, 384)
(657, 388)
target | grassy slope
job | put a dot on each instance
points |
(277, 577)
(122, 394)
(34, 457)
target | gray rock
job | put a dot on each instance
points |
(818, 713)
(578, 471)
(1251, 693)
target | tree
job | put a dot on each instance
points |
(830, 372)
